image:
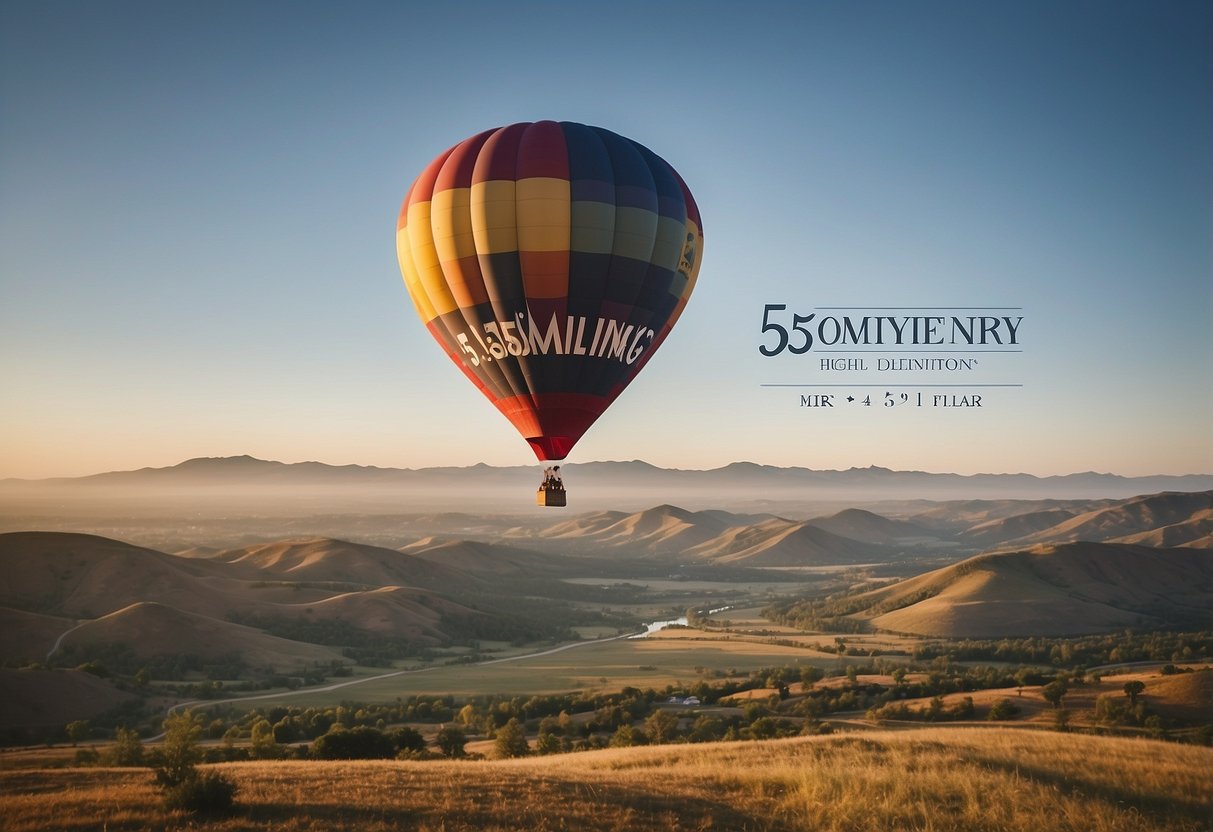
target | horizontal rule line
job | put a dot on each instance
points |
(917, 352)
(888, 385)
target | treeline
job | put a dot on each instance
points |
(1078, 652)
(120, 660)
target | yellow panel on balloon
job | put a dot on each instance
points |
(494, 213)
(544, 214)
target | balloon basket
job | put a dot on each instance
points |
(550, 497)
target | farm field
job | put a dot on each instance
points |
(681, 657)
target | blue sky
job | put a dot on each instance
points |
(198, 202)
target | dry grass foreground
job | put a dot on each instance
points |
(934, 779)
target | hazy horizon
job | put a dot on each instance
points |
(539, 466)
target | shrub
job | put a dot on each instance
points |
(1003, 709)
(208, 793)
(361, 743)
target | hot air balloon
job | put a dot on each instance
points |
(549, 260)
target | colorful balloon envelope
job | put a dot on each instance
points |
(549, 260)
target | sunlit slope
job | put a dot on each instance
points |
(484, 558)
(333, 561)
(868, 527)
(1184, 696)
(780, 543)
(1049, 590)
(1196, 531)
(993, 532)
(663, 529)
(1129, 517)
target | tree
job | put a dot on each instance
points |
(285, 731)
(407, 739)
(764, 729)
(450, 741)
(1054, 691)
(1134, 689)
(179, 753)
(660, 727)
(511, 740)
(265, 747)
(548, 744)
(707, 728)
(1061, 719)
(626, 736)
(127, 749)
(78, 730)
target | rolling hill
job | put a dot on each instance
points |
(1129, 518)
(485, 558)
(660, 530)
(958, 516)
(84, 576)
(782, 543)
(1069, 589)
(1196, 531)
(400, 613)
(325, 560)
(279, 606)
(732, 539)
(152, 629)
(1003, 529)
(866, 527)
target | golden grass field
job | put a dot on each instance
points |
(936, 779)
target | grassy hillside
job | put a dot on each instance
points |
(340, 561)
(944, 780)
(866, 527)
(152, 629)
(1049, 590)
(1129, 517)
(84, 576)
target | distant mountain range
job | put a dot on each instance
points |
(243, 480)
(854, 536)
